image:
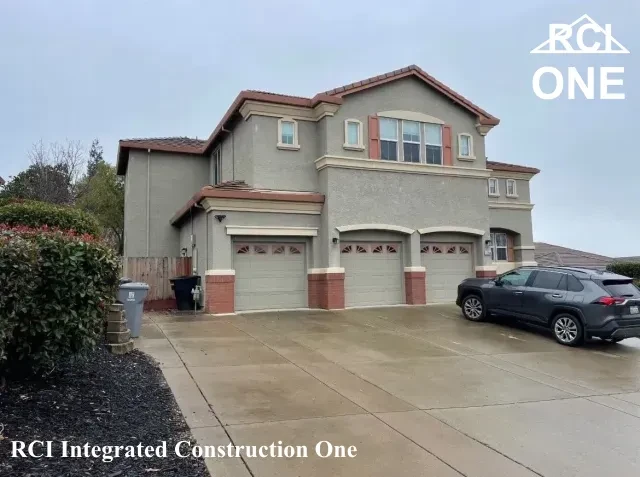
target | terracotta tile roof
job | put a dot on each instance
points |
(334, 96)
(550, 255)
(413, 70)
(502, 166)
(241, 190)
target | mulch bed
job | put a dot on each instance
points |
(102, 400)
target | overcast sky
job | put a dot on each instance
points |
(116, 69)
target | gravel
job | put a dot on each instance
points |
(103, 400)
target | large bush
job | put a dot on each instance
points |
(629, 269)
(54, 290)
(36, 214)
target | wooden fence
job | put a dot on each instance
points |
(156, 272)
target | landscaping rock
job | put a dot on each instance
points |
(121, 348)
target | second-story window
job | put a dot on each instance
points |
(411, 141)
(353, 134)
(433, 143)
(389, 139)
(288, 134)
(216, 166)
(493, 187)
(465, 146)
(511, 188)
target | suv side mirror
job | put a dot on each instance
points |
(498, 282)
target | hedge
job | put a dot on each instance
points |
(629, 269)
(36, 214)
(54, 290)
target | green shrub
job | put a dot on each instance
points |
(36, 214)
(55, 288)
(629, 269)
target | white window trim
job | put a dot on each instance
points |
(494, 246)
(515, 189)
(397, 140)
(418, 142)
(353, 147)
(471, 156)
(441, 146)
(497, 192)
(291, 147)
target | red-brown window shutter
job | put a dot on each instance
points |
(374, 138)
(510, 254)
(447, 156)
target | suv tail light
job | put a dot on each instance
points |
(609, 300)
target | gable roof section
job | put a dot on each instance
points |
(195, 146)
(413, 70)
(550, 255)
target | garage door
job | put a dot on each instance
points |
(447, 265)
(270, 276)
(372, 273)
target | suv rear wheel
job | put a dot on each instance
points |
(567, 329)
(473, 308)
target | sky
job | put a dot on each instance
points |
(85, 69)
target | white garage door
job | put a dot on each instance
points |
(372, 273)
(447, 265)
(270, 276)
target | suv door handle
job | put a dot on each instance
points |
(517, 293)
(556, 295)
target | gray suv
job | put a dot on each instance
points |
(575, 303)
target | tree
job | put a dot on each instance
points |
(103, 196)
(52, 176)
(95, 158)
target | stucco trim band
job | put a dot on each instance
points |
(342, 162)
(524, 247)
(257, 108)
(415, 269)
(527, 264)
(266, 230)
(260, 205)
(220, 272)
(511, 175)
(451, 228)
(391, 228)
(316, 271)
(411, 116)
(508, 205)
(486, 268)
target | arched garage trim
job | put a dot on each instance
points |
(451, 228)
(387, 227)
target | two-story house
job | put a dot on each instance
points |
(374, 193)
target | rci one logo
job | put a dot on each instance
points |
(567, 39)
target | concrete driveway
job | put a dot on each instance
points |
(418, 390)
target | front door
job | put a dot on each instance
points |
(508, 292)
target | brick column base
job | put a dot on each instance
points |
(326, 290)
(415, 288)
(486, 273)
(220, 294)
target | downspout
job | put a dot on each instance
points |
(148, 198)
(233, 155)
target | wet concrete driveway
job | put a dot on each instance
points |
(419, 391)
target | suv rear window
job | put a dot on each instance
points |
(621, 288)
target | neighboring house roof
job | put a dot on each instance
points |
(550, 255)
(627, 259)
(501, 166)
(241, 190)
(334, 96)
(1, 181)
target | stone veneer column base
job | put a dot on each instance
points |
(486, 273)
(220, 294)
(326, 290)
(415, 287)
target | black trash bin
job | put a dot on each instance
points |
(182, 287)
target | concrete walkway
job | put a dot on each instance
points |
(418, 390)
